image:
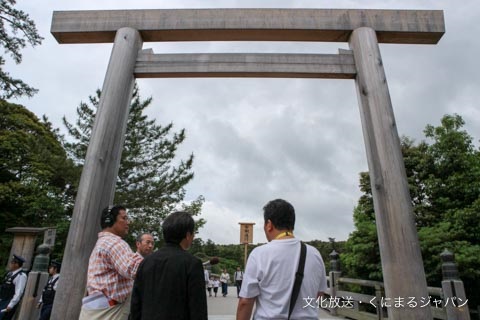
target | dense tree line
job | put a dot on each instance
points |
(232, 256)
(148, 182)
(37, 179)
(40, 171)
(443, 173)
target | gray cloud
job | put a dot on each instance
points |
(259, 139)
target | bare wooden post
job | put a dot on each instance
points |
(245, 255)
(97, 184)
(402, 263)
(378, 299)
(36, 281)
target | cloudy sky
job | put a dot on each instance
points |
(259, 139)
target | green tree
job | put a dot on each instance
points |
(148, 182)
(37, 180)
(325, 248)
(210, 248)
(444, 179)
(361, 258)
(453, 188)
(234, 252)
(16, 30)
(197, 248)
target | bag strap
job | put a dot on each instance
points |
(298, 278)
(55, 281)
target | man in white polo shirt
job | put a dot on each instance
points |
(270, 272)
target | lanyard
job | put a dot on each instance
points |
(284, 234)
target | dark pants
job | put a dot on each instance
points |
(7, 315)
(46, 312)
(224, 288)
(238, 283)
(215, 289)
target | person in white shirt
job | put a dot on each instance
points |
(48, 294)
(270, 272)
(238, 277)
(224, 279)
(216, 284)
(12, 288)
(206, 275)
(210, 286)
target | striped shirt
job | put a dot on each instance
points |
(112, 267)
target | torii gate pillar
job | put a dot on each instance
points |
(363, 29)
(397, 235)
(97, 184)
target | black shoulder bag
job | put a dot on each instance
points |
(298, 278)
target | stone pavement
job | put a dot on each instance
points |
(225, 308)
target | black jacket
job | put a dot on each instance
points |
(169, 284)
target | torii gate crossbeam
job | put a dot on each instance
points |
(402, 264)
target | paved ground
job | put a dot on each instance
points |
(225, 308)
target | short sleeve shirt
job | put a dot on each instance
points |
(270, 274)
(112, 267)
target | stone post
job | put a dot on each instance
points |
(453, 290)
(402, 264)
(36, 281)
(24, 244)
(334, 275)
(334, 261)
(97, 183)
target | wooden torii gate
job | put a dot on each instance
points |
(402, 264)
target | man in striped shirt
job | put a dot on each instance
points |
(111, 270)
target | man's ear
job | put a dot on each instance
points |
(268, 225)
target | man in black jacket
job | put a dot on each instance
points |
(170, 282)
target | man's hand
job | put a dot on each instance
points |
(39, 305)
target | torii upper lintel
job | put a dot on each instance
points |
(326, 25)
(400, 253)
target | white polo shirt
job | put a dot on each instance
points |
(270, 274)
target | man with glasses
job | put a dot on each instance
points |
(111, 269)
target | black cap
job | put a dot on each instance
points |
(18, 259)
(55, 264)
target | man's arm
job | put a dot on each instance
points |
(40, 301)
(244, 309)
(136, 302)
(125, 261)
(197, 296)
